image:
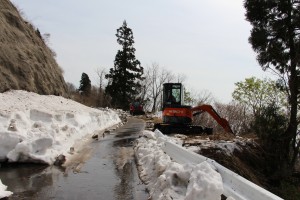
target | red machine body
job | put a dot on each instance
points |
(178, 118)
(136, 108)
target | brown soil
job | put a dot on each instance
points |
(248, 160)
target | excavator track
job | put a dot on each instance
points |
(182, 129)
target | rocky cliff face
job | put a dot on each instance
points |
(26, 63)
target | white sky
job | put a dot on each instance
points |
(207, 41)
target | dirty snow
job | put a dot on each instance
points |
(197, 143)
(166, 179)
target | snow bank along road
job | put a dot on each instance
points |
(173, 172)
(39, 128)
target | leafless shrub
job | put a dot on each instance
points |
(204, 97)
(236, 115)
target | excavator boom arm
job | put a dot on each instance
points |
(209, 109)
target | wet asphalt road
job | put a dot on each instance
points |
(110, 173)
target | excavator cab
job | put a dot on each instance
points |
(174, 111)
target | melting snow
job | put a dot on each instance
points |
(166, 179)
(39, 128)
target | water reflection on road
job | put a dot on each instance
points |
(110, 173)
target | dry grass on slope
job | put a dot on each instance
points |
(25, 60)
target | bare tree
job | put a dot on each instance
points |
(155, 78)
(204, 97)
(201, 98)
(71, 89)
(180, 78)
(195, 98)
(145, 90)
(101, 77)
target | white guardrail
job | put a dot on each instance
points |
(234, 185)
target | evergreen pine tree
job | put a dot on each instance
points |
(85, 85)
(124, 79)
(275, 37)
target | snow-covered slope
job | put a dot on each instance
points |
(38, 128)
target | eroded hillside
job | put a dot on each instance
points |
(25, 60)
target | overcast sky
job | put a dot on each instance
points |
(207, 41)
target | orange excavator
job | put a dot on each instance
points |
(177, 118)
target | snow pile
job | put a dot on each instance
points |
(166, 179)
(3, 192)
(38, 128)
(198, 143)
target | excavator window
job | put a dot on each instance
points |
(175, 95)
(172, 94)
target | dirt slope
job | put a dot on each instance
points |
(25, 60)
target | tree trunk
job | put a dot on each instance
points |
(287, 156)
(154, 105)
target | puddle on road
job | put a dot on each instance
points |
(26, 180)
(125, 155)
